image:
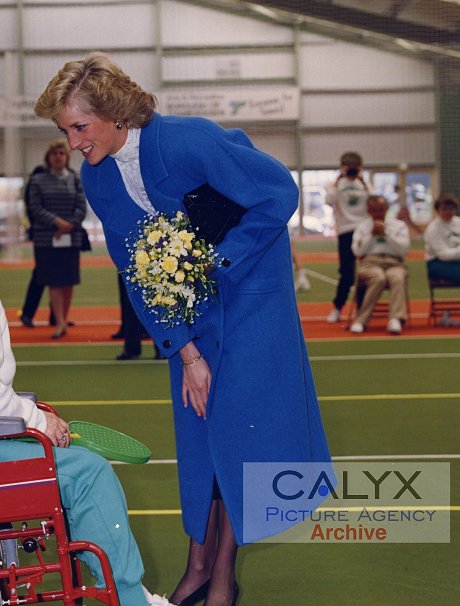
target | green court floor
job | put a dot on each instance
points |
(378, 397)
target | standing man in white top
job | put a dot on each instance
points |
(348, 197)
(381, 243)
(442, 241)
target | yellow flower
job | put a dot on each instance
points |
(142, 258)
(186, 236)
(154, 236)
(196, 252)
(169, 264)
(180, 276)
(179, 214)
(168, 301)
(188, 266)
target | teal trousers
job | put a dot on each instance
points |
(96, 510)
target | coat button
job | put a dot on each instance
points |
(226, 262)
(167, 343)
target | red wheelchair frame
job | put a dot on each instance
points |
(29, 491)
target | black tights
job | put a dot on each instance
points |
(214, 560)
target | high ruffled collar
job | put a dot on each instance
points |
(130, 149)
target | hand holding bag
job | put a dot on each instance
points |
(211, 213)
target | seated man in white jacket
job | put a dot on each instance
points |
(90, 491)
(381, 243)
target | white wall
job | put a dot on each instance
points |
(353, 96)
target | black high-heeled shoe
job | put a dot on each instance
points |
(198, 595)
(236, 594)
(59, 333)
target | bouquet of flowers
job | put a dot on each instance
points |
(170, 264)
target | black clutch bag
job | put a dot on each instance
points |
(211, 213)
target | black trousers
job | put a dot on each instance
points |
(33, 295)
(131, 327)
(347, 262)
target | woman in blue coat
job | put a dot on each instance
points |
(241, 382)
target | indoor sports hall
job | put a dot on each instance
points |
(307, 82)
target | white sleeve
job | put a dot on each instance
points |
(437, 245)
(331, 194)
(362, 239)
(397, 236)
(11, 404)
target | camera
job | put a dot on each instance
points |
(352, 171)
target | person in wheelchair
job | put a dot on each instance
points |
(381, 243)
(91, 494)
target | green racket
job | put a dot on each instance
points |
(108, 443)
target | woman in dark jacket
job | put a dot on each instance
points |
(57, 207)
(241, 382)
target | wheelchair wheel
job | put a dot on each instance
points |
(4, 593)
(8, 549)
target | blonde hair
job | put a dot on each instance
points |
(101, 89)
(56, 144)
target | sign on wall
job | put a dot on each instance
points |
(229, 105)
(19, 111)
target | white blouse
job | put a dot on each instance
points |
(127, 159)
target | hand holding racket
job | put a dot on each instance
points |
(104, 441)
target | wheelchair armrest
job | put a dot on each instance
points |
(10, 426)
(46, 408)
(30, 395)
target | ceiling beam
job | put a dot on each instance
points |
(397, 8)
(367, 21)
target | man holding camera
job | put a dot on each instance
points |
(348, 196)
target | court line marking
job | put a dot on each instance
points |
(322, 277)
(399, 356)
(384, 338)
(178, 512)
(41, 323)
(361, 397)
(109, 402)
(337, 358)
(409, 457)
(394, 396)
(39, 363)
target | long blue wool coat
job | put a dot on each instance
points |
(262, 404)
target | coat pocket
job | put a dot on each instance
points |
(261, 285)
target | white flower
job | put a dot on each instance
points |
(177, 248)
